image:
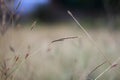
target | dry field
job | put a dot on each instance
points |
(31, 55)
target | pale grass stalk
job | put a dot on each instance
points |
(11, 13)
(96, 68)
(114, 64)
(89, 36)
(22, 62)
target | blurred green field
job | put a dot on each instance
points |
(70, 59)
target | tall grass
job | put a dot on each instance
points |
(8, 8)
(71, 59)
(64, 53)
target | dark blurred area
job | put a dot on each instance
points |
(56, 11)
(52, 11)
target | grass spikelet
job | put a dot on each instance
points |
(12, 49)
(26, 56)
(113, 65)
(62, 39)
(33, 25)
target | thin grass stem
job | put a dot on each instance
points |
(91, 39)
(114, 64)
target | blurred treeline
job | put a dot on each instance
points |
(106, 11)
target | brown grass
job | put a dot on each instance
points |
(29, 59)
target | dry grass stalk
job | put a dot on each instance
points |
(12, 49)
(18, 5)
(59, 40)
(13, 14)
(89, 36)
(33, 25)
(6, 72)
(62, 39)
(4, 12)
(28, 52)
(13, 17)
(3, 9)
(95, 69)
(26, 56)
(16, 58)
(113, 65)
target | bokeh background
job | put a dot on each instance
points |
(91, 11)
(36, 43)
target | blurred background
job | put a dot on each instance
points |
(36, 40)
(94, 12)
